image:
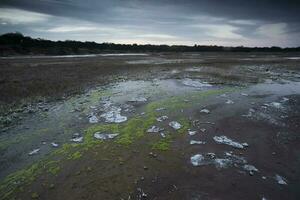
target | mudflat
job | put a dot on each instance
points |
(150, 126)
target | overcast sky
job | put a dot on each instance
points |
(189, 22)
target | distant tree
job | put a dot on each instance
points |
(20, 44)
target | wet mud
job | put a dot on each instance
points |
(193, 126)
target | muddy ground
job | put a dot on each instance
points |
(150, 126)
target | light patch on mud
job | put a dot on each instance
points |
(194, 69)
(155, 61)
(105, 136)
(54, 144)
(225, 161)
(205, 111)
(268, 115)
(196, 83)
(33, 152)
(250, 168)
(175, 125)
(93, 119)
(112, 114)
(154, 129)
(138, 99)
(160, 109)
(225, 140)
(275, 105)
(197, 142)
(198, 160)
(280, 180)
(77, 139)
(162, 118)
(293, 58)
(190, 132)
(229, 102)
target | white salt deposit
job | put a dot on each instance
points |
(77, 139)
(192, 132)
(280, 180)
(197, 160)
(225, 140)
(162, 118)
(197, 142)
(195, 83)
(138, 99)
(204, 111)
(105, 136)
(154, 129)
(175, 125)
(93, 119)
(229, 102)
(33, 152)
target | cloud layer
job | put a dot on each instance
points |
(208, 22)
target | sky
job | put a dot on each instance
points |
(181, 22)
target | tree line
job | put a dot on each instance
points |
(17, 43)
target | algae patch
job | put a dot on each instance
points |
(129, 132)
(163, 144)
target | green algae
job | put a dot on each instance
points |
(34, 195)
(75, 156)
(54, 170)
(16, 181)
(163, 144)
(130, 131)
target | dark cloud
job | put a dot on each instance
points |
(229, 22)
(280, 10)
